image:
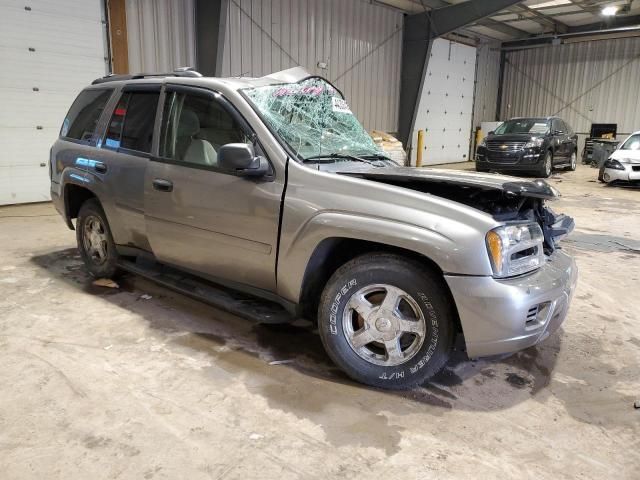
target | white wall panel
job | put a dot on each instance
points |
(584, 83)
(49, 51)
(161, 35)
(359, 41)
(446, 104)
(487, 80)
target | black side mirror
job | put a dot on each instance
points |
(491, 133)
(240, 159)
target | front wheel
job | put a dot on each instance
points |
(547, 166)
(574, 161)
(386, 321)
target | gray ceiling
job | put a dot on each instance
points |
(531, 18)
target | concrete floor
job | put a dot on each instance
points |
(103, 383)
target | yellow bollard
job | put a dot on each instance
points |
(420, 148)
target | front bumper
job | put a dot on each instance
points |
(527, 159)
(631, 173)
(506, 315)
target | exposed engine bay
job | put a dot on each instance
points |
(514, 200)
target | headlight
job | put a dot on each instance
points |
(483, 142)
(534, 142)
(615, 164)
(515, 249)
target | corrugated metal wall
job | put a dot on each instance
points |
(360, 42)
(161, 35)
(487, 80)
(584, 83)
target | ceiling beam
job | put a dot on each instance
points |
(503, 28)
(615, 22)
(540, 18)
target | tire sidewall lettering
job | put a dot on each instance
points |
(335, 305)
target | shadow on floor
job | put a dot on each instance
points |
(280, 353)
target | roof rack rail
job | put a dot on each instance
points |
(178, 72)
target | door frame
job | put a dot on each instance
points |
(227, 106)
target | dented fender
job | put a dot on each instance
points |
(438, 247)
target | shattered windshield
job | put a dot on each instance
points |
(313, 119)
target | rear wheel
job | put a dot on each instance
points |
(547, 166)
(386, 321)
(95, 242)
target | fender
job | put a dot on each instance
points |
(437, 246)
(74, 176)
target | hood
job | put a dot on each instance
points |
(510, 186)
(626, 156)
(513, 137)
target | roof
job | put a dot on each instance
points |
(291, 75)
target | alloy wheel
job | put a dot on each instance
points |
(384, 325)
(547, 165)
(95, 240)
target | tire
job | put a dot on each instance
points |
(546, 169)
(95, 243)
(377, 354)
(573, 162)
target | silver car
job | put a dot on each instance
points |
(270, 187)
(623, 166)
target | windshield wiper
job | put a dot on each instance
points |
(376, 156)
(338, 156)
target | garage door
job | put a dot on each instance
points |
(49, 50)
(445, 108)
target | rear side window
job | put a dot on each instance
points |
(83, 116)
(132, 122)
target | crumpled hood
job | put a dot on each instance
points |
(626, 156)
(512, 186)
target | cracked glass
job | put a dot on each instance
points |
(312, 118)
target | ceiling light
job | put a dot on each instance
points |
(609, 11)
(552, 3)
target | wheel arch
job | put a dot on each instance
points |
(333, 252)
(74, 196)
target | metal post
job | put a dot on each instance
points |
(420, 148)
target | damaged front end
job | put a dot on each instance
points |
(506, 199)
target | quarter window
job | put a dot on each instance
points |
(83, 116)
(194, 127)
(132, 122)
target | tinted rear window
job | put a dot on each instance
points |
(131, 125)
(82, 120)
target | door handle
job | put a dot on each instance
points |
(100, 167)
(162, 185)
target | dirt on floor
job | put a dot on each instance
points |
(140, 382)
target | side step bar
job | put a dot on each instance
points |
(232, 301)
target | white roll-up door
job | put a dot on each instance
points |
(49, 51)
(446, 105)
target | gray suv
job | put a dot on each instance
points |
(271, 188)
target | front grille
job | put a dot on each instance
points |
(503, 157)
(498, 146)
(636, 168)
